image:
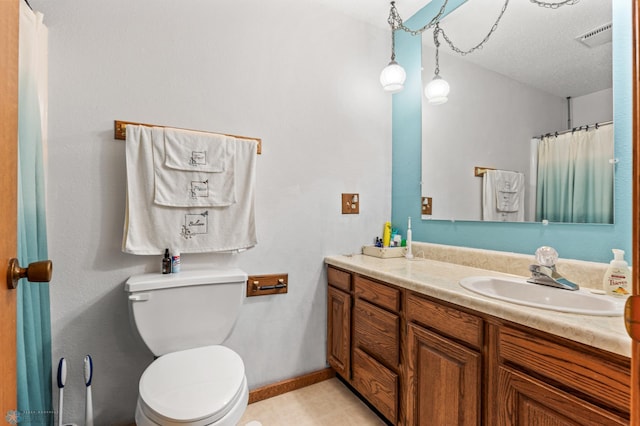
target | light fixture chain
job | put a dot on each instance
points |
(555, 5)
(437, 44)
(393, 45)
(479, 45)
(396, 21)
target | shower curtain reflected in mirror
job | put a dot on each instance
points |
(575, 176)
(33, 316)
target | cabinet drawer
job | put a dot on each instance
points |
(377, 293)
(447, 321)
(377, 331)
(338, 278)
(376, 383)
(602, 380)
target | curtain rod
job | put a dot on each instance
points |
(586, 127)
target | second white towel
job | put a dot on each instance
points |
(503, 196)
(193, 186)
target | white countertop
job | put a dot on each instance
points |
(440, 280)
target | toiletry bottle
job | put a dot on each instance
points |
(617, 279)
(166, 262)
(175, 262)
(409, 254)
(386, 234)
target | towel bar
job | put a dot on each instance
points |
(120, 132)
(480, 171)
(258, 287)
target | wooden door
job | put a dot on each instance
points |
(635, 346)
(9, 14)
(443, 381)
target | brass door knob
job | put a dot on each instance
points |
(37, 272)
(631, 314)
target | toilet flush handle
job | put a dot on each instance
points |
(139, 297)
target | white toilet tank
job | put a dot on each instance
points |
(192, 308)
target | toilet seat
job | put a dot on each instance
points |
(196, 386)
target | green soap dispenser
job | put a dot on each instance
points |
(617, 279)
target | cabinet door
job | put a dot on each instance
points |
(443, 380)
(523, 400)
(339, 331)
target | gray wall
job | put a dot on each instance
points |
(488, 121)
(288, 71)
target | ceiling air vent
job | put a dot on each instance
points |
(597, 36)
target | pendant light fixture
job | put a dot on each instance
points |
(393, 75)
(438, 89)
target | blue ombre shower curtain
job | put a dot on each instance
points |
(33, 318)
(575, 177)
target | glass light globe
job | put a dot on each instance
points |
(392, 77)
(437, 91)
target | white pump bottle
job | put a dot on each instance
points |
(617, 279)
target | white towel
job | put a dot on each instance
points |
(192, 186)
(509, 187)
(503, 196)
(189, 150)
(150, 228)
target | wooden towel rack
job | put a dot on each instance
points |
(480, 171)
(120, 132)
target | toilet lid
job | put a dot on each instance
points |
(193, 384)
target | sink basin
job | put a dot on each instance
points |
(518, 290)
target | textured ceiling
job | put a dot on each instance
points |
(536, 45)
(532, 44)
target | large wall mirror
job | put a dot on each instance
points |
(511, 143)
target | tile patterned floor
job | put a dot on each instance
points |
(326, 403)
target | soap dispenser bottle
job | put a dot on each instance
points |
(617, 279)
(166, 262)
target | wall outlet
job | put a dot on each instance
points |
(350, 203)
(427, 206)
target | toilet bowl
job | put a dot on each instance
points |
(183, 319)
(202, 386)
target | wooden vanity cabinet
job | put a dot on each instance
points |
(422, 361)
(444, 364)
(363, 338)
(542, 379)
(376, 344)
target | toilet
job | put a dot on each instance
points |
(183, 318)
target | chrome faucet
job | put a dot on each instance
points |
(544, 273)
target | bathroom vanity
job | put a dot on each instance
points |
(424, 351)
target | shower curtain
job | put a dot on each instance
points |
(33, 317)
(575, 177)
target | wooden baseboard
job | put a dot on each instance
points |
(275, 389)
